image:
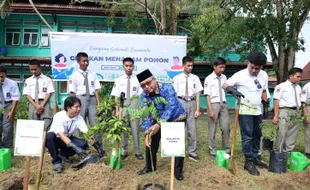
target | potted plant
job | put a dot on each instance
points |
(269, 131)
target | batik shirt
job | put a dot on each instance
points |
(171, 112)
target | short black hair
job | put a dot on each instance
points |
(257, 58)
(128, 59)
(176, 57)
(57, 57)
(81, 54)
(219, 61)
(294, 70)
(2, 69)
(187, 59)
(35, 62)
(70, 101)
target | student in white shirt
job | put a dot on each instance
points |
(188, 88)
(128, 84)
(60, 142)
(251, 84)
(217, 109)
(287, 104)
(305, 99)
(38, 89)
(84, 84)
(9, 97)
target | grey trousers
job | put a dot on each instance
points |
(88, 111)
(221, 114)
(307, 134)
(287, 130)
(190, 126)
(46, 113)
(134, 125)
(6, 128)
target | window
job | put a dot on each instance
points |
(85, 31)
(31, 22)
(30, 37)
(12, 36)
(44, 37)
(13, 22)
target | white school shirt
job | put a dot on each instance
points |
(305, 94)
(245, 83)
(76, 82)
(120, 85)
(212, 88)
(10, 90)
(62, 123)
(284, 92)
(45, 86)
(194, 84)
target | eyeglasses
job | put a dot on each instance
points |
(148, 83)
(257, 84)
(76, 107)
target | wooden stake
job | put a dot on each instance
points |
(172, 173)
(27, 173)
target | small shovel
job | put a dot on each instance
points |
(232, 168)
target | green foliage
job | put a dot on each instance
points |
(269, 130)
(22, 109)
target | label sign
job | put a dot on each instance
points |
(173, 139)
(28, 137)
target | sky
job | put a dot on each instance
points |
(302, 58)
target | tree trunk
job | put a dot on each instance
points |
(173, 13)
(163, 16)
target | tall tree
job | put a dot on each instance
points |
(259, 23)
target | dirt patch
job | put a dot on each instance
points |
(13, 182)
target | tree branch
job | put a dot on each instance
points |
(100, 1)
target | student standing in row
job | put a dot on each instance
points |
(84, 84)
(305, 99)
(216, 101)
(128, 84)
(286, 110)
(38, 89)
(9, 96)
(188, 88)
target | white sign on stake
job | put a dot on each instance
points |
(172, 139)
(28, 137)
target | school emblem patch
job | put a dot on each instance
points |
(25, 85)
(44, 90)
(70, 81)
(134, 89)
(92, 83)
(206, 84)
(304, 92)
(278, 90)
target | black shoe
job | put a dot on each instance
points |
(139, 156)
(258, 162)
(179, 177)
(212, 156)
(65, 159)
(124, 156)
(249, 166)
(144, 171)
(58, 168)
(308, 155)
(195, 158)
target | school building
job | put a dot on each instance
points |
(23, 36)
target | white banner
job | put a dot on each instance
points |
(172, 139)
(28, 137)
(161, 54)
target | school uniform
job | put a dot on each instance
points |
(62, 123)
(9, 92)
(131, 87)
(186, 87)
(84, 85)
(305, 98)
(37, 87)
(289, 95)
(250, 111)
(213, 89)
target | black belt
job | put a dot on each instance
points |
(187, 99)
(85, 95)
(38, 99)
(6, 102)
(291, 108)
(218, 102)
